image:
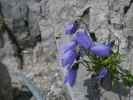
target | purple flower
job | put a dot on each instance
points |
(70, 46)
(69, 57)
(102, 74)
(70, 28)
(111, 44)
(101, 49)
(70, 78)
(83, 39)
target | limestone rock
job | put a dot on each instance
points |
(5, 84)
(38, 27)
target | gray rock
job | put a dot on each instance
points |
(5, 84)
(43, 20)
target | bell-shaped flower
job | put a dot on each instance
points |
(70, 28)
(83, 39)
(70, 46)
(71, 76)
(111, 44)
(68, 58)
(101, 50)
(102, 74)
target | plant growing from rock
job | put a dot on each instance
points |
(102, 59)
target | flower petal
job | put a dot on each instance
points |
(101, 50)
(102, 74)
(69, 57)
(71, 76)
(111, 44)
(70, 46)
(70, 28)
(83, 39)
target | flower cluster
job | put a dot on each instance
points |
(71, 51)
(100, 58)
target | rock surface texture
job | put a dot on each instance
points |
(32, 31)
(5, 84)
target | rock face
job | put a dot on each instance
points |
(32, 39)
(5, 84)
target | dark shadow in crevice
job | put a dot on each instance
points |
(129, 42)
(118, 87)
(126, 8)
(11, 36)
(93, 91)
(23, 94)
(106, 83)
(5, 83)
